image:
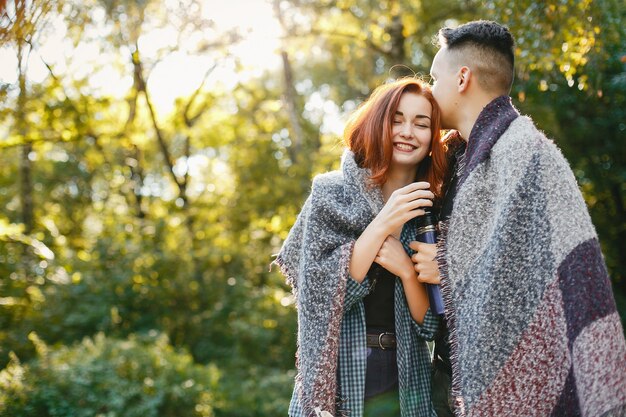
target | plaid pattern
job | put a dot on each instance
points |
(414, 361)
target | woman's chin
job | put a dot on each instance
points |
(407, 159)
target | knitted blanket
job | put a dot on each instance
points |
(315, 259)
(533, 325)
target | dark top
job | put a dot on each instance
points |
(379, 303)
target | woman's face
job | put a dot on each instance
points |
(411, 132)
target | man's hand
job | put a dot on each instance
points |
(424, 262)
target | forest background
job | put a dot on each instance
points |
(154, 154)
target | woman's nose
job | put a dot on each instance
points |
(407, 130)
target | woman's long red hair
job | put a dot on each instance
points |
(369, 135)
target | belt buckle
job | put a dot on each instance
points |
(380, 340)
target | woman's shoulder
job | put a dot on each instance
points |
(328, 181)
(328, 190)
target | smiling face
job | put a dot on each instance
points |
(411, 130)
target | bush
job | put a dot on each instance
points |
(142, 376)
(257, 391)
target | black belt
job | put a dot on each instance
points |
(382, 341)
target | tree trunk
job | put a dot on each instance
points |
(396, 32)
(26, 183)
(137, 177)
(289, 95)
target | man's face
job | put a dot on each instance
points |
(445, 89)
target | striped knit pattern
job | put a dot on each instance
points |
(533, 325)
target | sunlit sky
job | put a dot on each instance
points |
(177, 75)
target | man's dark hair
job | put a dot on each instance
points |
(489, 47)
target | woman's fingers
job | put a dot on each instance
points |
(414, 186)
(421, 202)
(415, 194)
(406, 203)
(415, 209)
(420, 194)
(411, 214)
(414, 200)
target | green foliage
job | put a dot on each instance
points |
(584, 112)
(137, 377)
(257, 392)
(167, 224)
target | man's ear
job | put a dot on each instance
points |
(463, 79)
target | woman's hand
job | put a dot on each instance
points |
(404, 204)
(394, 259)
(425, 264)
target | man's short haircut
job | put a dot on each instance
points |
(487, 48)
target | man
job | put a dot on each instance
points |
(533, 327)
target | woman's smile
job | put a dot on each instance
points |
(404, 147)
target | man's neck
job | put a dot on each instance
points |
(471, 112)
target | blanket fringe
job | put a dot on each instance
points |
(286, 271)
(450, 314)
(326, 379)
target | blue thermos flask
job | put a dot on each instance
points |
(427, 233)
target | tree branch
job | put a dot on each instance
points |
(157, 130)
(353, 36)
(190, 121)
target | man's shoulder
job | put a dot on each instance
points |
(523, 128)
(523, 135)
(523, 142)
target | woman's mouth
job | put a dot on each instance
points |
(404, 147)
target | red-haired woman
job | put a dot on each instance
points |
(363, 314)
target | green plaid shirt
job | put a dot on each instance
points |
(414, 360)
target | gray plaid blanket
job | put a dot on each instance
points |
(315, 258)
(533, 324)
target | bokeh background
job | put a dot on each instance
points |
(154, 154)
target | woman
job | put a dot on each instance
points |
(363, 316)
